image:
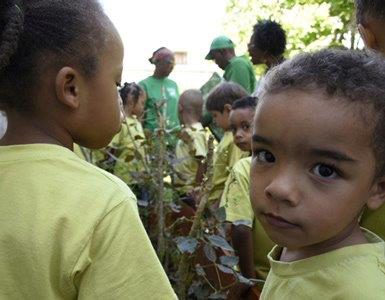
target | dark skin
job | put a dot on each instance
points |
(372, 32)
(67, 105)
(165, 64)
(260, 57)
(222, 57)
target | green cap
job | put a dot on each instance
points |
(221, 42)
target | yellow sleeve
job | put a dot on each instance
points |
(200, 144)
(119, 262)
(236, 199)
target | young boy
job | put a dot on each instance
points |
(248, 237)
(318, 159)
(370, 15)
(68, 230)
(227, 153)
(191, 149)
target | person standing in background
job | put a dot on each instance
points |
(267, 44)
(237, 69)
(159, 87)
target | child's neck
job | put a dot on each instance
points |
(189, 121)
(22, 130)
(352, 235)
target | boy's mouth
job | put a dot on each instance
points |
(278, 221)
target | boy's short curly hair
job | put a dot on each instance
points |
(372, 8)
(224, 93)
(355, 76)
(269, 37)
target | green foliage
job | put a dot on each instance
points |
(310, 24)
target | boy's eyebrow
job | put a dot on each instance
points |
(333, 154)
(260, 139)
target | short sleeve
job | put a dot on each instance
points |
(199, 144)
(236, 199)
(119, 261)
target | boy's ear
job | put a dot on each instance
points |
(377, 197)
(67, 87)
(368, 37)
(227, 108)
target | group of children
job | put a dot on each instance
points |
(301, 164)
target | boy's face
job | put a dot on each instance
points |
(312, 169)
(221, 119)
(240, 124)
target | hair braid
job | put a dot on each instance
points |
(11, 34)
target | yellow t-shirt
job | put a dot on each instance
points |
(189, 150)
(352, 273)
(225, 156)
(69, 230)
(236, 201)
(128, 144)
(374, 221)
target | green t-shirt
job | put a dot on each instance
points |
(69, 230)
(240, 70)
(225, 156)
(158, 90)
(236, 201)
(349, 273)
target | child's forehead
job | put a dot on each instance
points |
(310, 116)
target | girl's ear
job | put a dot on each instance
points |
(368, 37)
(377, 197)
(67, 85)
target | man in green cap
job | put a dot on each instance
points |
(237, 69)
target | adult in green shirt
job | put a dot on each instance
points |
(237, 69)
(160, 88)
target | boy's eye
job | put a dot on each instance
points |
(264, 156)
(118, 84)
(246, 127)
(325, 171)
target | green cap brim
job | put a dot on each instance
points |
(208, 56)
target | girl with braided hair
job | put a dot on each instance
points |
(127, 144)
(68, 230)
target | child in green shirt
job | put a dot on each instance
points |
(68, 230)
(370, 16)
(248, 237)
(227, 153)
(191, 149)
(318, 160)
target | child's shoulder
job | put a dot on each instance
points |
(243, 166)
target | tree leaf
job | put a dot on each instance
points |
(225, 269)
(186, 244)
(210, 252)
(220, 214)
(219, 241)
(200, 271)
(242, 222)
(218, 295)
(229, 261)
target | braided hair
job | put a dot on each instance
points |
(41, 35)
(130, 89)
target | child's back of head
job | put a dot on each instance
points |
(190, 106)
(224, 93)
(51, 53)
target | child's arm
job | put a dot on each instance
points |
(242, 239)
(118, 261)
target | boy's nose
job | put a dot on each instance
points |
(284, 188)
